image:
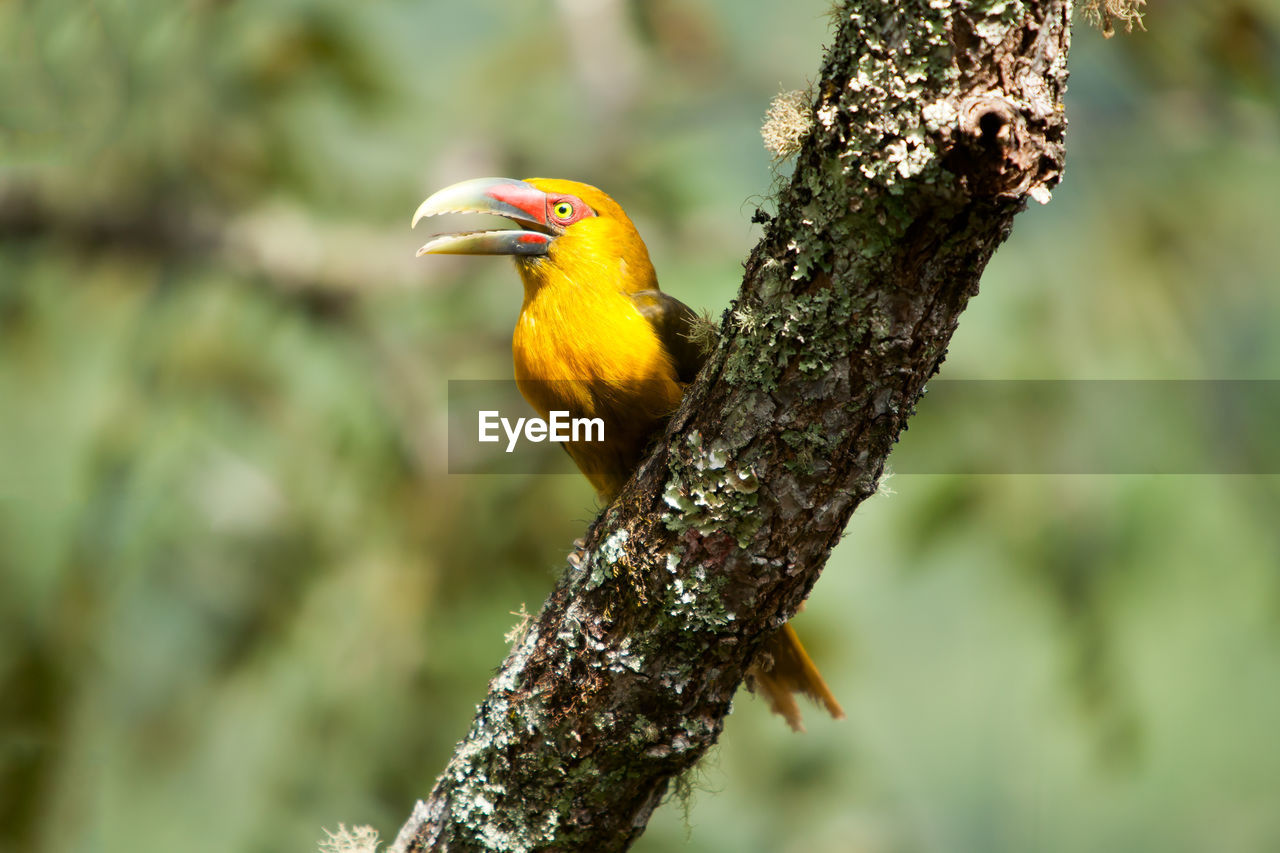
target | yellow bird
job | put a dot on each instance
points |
(597, 338)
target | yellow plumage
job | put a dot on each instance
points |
(581, 345)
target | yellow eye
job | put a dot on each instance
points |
(563, 210)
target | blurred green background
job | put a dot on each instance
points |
(242, 598)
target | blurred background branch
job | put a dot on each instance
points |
(316, 262)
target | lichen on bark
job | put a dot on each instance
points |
(933, 121)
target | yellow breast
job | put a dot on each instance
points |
(588, 351)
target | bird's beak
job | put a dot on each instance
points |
(516, 200)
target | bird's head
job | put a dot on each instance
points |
(567, 230)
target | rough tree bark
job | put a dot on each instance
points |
(933, 122)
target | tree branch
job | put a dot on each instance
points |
(933, 121)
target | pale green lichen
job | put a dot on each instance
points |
(609, 555)
(993, 26)
(786, 124)
(483, 810)
(521, 651)
(710, 495)
(898, 58)
(703, 333)
(699, 601)
(744, 319)
(1102, 14)
(357, 839)
(644, 731)
(882, 486)
(517, 632)
(808, 445)
(623, 657)
(940, 115)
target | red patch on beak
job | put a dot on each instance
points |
(527, 199)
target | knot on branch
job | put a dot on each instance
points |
(994, 151)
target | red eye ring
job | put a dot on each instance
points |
(564, 210)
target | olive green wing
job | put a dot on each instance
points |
(679, 329)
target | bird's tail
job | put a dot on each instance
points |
(782, 669)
